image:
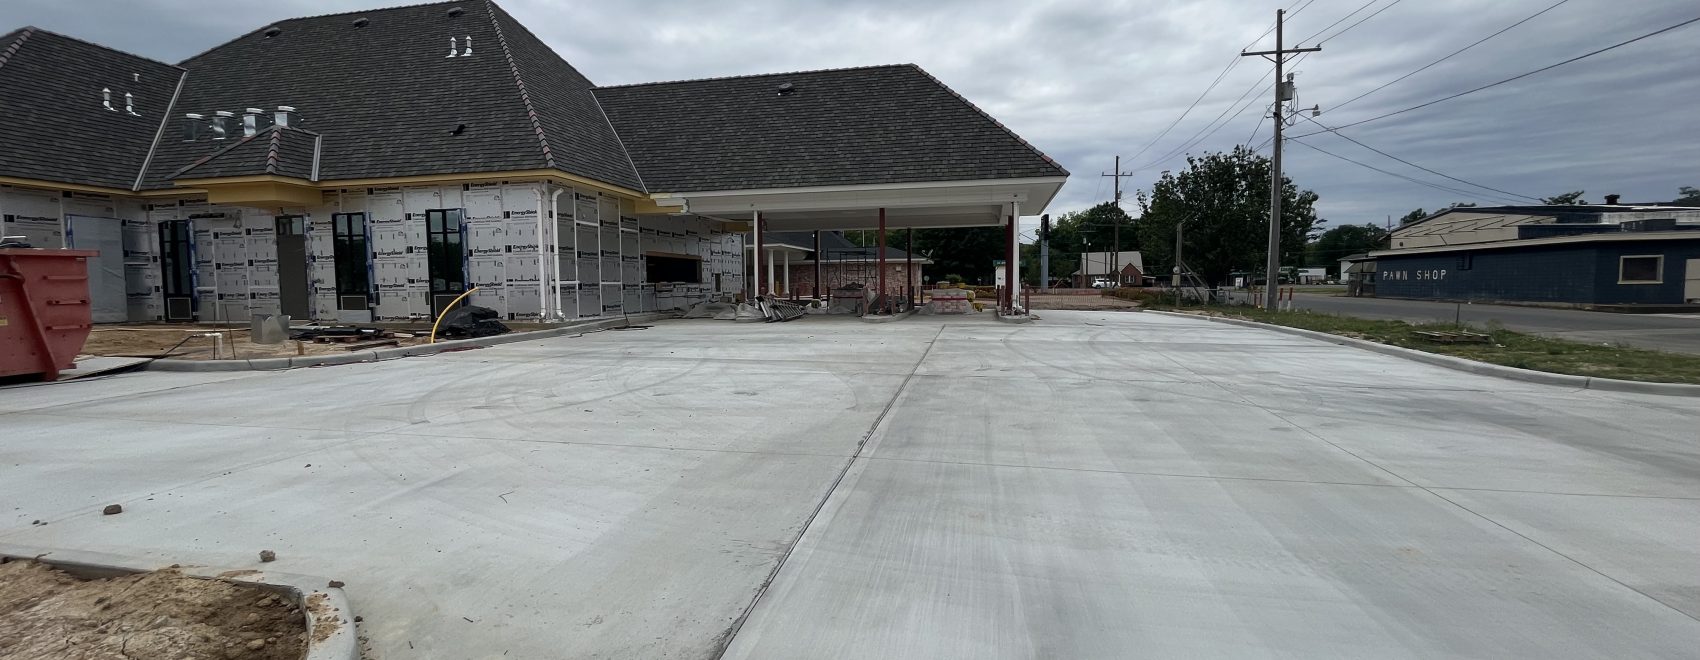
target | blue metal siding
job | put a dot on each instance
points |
(1565, 274)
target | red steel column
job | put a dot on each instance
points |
(881, 295)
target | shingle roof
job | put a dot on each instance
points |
(277, 150)
(387, 99)
(53, 123)
(880, 124)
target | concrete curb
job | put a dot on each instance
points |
(1462, 364)
(331, 611)
(1014, 318)
(887, 319)
(282, 363)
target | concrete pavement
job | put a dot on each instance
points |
(1093, 485)
(1665, 332)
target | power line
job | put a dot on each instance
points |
(1360, 22)
(1207, 130)
(1349, 138)
(1188, 110)
(1436, 186)
(1450, 55)
(1255, 129)
(1341, 20)
(1516, 77)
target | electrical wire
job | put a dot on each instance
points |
(1349, 138)
(1211, 128)
(1255, 129)
(1478, 42)
(1342, 20)
(1360, 22)
(1189, 108)
(1436, 186)
(1513, 78)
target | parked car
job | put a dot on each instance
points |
(1101, 283)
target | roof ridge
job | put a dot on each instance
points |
(23, 36)
(271, 151)
(752, 75)
(33, 29)
(303, 18)
(159, 133)
(990, 118)
(524, 95)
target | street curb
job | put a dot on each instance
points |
(282, 363)
(1462, 364)
(333, 611)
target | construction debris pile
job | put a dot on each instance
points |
(766, 309)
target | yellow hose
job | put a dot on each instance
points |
(445, 312)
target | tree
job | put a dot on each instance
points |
(1690, 196)
(968, 251)
(1411, 217)
(1347, 240)
(1566, 199)
(1078, 232)
(1223, 199)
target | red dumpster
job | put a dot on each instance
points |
(44, 310)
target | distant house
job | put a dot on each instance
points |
(1608, 254)
(1095, 265)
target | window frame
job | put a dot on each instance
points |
(1658, 268)
(350, 229)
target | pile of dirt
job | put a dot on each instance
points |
(47, 614)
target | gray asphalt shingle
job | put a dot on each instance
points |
(870, 125)
(53, 124)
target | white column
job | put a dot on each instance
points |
(1015, 255)
(786, 293)
(770, 280)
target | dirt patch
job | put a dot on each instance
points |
(50, 615)
(154, 340)
(1077, 302)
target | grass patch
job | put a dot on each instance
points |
(1511, 349)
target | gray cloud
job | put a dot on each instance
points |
(1088, 79)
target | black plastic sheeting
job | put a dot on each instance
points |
(471, 321)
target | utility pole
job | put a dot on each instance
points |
(1283, 93)
(1044, 254)
(1116, 231)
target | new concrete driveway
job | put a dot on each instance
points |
(1095, 485)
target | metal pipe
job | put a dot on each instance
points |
(818, 257)
(755, 268)
(555, 248)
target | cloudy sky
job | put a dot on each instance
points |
(1086, 80)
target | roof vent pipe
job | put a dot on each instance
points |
(456, 11)
(273, 31)
(1611, 200)
(285, 115)
(785, 88)
(130, 104)
(251, 122)
(221, 124)
(360, 22)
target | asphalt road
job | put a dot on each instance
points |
(1098, 484)
(1665, 332)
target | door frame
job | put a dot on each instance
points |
(293, 225)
